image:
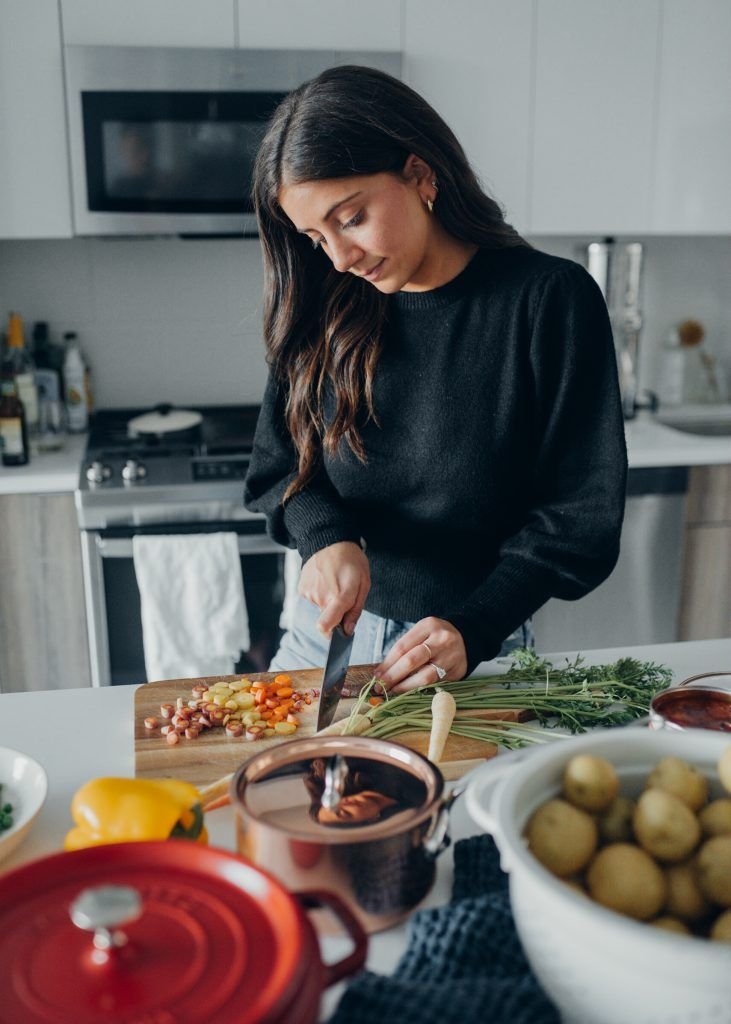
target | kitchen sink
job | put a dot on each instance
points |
(704, 427)
(710, 421)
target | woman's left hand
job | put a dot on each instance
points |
(412, 660)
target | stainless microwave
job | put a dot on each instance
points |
(163, 140)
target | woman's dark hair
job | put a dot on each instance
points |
(322, 326)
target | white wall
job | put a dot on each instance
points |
(180, 321)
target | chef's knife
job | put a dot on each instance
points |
(336, 667)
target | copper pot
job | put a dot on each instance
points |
(381, 866)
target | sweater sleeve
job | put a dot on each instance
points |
(311, 519)
(568, 542)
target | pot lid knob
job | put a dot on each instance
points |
(102, 909)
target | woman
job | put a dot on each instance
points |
(441, 435)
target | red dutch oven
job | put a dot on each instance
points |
(161, 932)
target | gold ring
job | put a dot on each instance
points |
(428, 649)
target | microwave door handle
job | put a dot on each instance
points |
(258, 544)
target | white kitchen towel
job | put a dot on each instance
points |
(194, 618)
(292, 570)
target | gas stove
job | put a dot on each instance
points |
(190, 475)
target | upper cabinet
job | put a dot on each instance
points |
(595, 70)
(580, 116)
(323, 25)
(691, 193)
(149, 22)
(472, 62)
(35, 200)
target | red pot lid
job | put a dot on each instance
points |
(216, 940)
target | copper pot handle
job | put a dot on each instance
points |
(702, 675)
(356, 958)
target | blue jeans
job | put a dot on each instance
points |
(303, 646)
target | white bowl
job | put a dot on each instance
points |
(24, 785)
(598, 966)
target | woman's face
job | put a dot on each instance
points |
(375, 226)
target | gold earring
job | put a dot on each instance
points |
(430, 202)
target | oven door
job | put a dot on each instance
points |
(113, 613)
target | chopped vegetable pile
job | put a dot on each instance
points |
(6, 815)
(572, 698)
(252, 710)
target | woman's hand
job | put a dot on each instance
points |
(411, 661)
(337, 579)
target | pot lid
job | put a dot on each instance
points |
(154, 931)
(163, 420)
(383, 789)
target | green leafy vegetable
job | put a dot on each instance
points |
(571, 698)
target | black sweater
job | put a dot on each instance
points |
(496, 476)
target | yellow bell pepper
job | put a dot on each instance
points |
(111, 810)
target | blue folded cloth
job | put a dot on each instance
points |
(464, 962)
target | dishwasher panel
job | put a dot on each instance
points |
(640, 602)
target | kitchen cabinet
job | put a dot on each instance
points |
(693, 149)
(325, 25)
(43, 642)
(473, 62)
(35, 200)
(705, 607)
(594, 109)
(149, 22)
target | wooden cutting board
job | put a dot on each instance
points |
(214, 754)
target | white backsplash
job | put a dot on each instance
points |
(180, 321)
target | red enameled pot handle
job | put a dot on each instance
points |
(357, 957)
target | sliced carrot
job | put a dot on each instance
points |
(375, 701)
(285, 691)
(283, 679)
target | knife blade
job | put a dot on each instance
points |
(333, 677)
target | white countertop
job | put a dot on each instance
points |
(82, 734)
(48, 472)
(649, 443)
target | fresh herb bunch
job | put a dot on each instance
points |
(6, 814)
(572, 698)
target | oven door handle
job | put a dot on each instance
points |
(121, 547)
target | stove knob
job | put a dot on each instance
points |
(97, 473)
(132, 471)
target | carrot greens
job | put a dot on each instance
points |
(569, 698)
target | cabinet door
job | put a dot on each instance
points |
(35, 201)
(323, 25)
(705, 608)
(43, 642)
(471, 60)
(594, 110)
(149, 22)
(692, 194)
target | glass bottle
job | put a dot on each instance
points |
(13, 429)
(19, 363)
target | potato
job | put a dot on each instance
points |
(724, 769)
(685, 898)
(665, 826)
(615, 823)
(681, 779)
(715, 818)
(625, 878)
(721, 930)
(714, 869)
(562, 837)
(590, 783)
(671, 924)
